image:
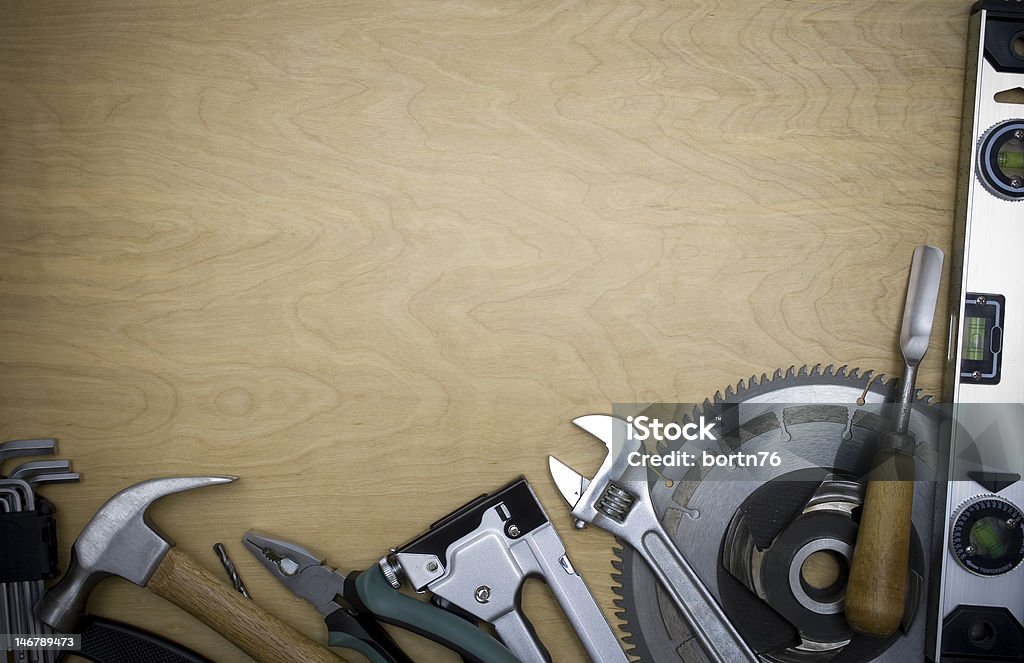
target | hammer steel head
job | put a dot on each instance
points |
(119, 540)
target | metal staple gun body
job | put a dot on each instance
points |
(617, 499)
(478, 558)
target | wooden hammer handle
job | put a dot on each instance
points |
(265, 638)
(876, 593)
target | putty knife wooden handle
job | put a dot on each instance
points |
(876, 592)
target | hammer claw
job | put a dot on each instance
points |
(119, 540)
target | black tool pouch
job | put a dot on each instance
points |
(28, 544)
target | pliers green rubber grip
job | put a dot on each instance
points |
(356, 603)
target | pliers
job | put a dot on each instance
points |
(355, 604)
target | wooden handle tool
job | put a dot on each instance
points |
(876, 592)
(265, 638)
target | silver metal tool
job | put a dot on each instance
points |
(14, 496)
(229, 567)
(821, 421)
(121, 540)
(56, 477)
(618, 499)
(478, 558)
(18, 598)
(18, 493)
(12, 502)
(16, 448)
(19, 621)
(5, 599)
(916, 330)
(7, 610)
(37, 467)
(357, 604)
(979, 607)
(876, 593)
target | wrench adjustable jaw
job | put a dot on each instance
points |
(478, 559)
(618, 500)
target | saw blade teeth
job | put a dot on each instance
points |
(695, 415)
(841, 371)
(741, 386)
(829, 370)
(791, 372)
(816, 369)
(729, 393)
(777, 375)
(802, 372)
(853, 374)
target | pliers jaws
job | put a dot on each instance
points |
(304, 574)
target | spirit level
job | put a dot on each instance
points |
(979, 607)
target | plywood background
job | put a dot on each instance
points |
(373, 257)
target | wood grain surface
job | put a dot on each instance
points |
(374, 256)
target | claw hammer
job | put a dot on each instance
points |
(120, 541)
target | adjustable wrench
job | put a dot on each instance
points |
(618, 499)
(478, 557)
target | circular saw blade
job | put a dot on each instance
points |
(826, 418)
